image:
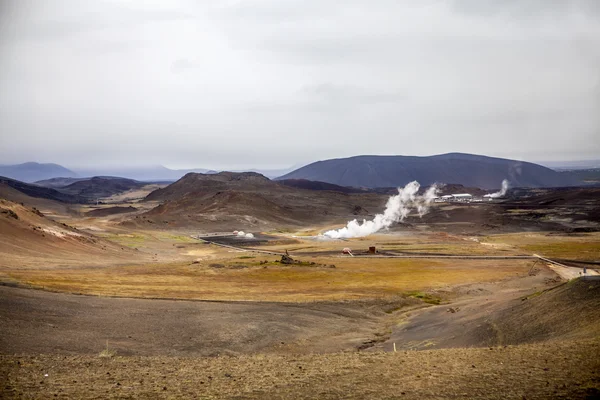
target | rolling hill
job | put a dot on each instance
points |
(29, 236)
(40, 192)
(57, 182)
(457, 168)
(250, 200)
(32, 171)
(100, 186)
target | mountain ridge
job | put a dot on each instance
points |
(472, 170)
(32, 171)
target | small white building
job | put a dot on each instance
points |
(465, 197)
(447, 197)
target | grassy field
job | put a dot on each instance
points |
(173, 265)
(234, 277)
(582, 246)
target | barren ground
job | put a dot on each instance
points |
(142, 311)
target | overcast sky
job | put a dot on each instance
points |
(271, 83)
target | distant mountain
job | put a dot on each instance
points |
(160, 173)
(148, 173)
(571, 165)
(457, 168)
(32, 171)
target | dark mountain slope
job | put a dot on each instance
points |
(316, 185)
(59, 182)
(32, 171)
(41, 192)
(465, 169)
(101, 186)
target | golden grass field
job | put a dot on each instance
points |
(241, 276)
(171, 264)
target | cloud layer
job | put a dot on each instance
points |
(265, 83)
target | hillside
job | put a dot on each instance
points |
(41, 192)
(250, 200)
(32, 171)
(465, 169)
(29, 237)
(195, 182)
(569, 311)
(59, 182)
(101, 186)
(316, 185)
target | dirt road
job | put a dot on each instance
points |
(567, 272)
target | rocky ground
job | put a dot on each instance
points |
(552, 370)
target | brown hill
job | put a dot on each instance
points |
(569, 311)
(28, 236)
(204, 183)
(244, 200)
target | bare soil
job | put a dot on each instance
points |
(535, 309)
(36, 321)
(552, 370)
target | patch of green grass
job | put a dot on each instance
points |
(425, 297)
(178, 238)
(129, 240)
(245, 257)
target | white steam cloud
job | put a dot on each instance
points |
(502, 191)
(246, 235)
(397, 208)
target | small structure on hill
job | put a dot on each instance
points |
(286, 259)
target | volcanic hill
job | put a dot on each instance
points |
(32, 171)
(249, 199)
(458, 168)
(101, 186)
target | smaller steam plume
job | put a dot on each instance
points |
(397, 208)
(245, 235)
(502, 191)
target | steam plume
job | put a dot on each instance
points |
(397, 208)
(502, 191)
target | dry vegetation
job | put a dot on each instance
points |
(540, 371)
(233, 276)
(579, 246)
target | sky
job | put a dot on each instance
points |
(230, 84)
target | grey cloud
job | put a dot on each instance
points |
(221, 83)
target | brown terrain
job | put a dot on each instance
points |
(121, 300)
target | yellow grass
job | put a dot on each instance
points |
(351, 279)
(584, 246)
